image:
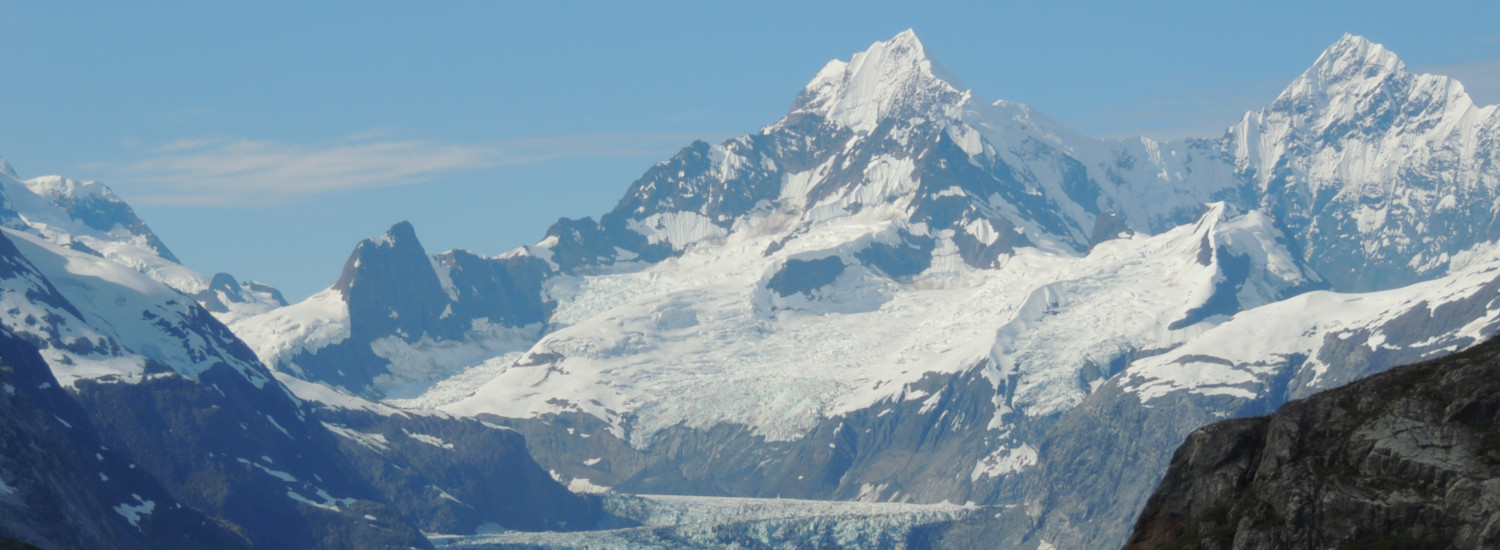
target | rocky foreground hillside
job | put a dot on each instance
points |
(1406, 459)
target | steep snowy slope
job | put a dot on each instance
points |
(198, 420)
(1383, 175)
(87, 216)
(172, 388)
(942, 177)
(695, 342)
(398, 321)
(1101, 460)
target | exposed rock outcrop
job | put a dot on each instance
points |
(1406, 459)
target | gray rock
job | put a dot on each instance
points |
(1409, 458)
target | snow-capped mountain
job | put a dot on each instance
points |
(943, 175)
(169, 431)
(1101, 460)
(901, 292)
(61, 488)
(88, 217)
(1382, 175)
(170, 387)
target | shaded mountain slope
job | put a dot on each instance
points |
(1408, 458)
(60, 487)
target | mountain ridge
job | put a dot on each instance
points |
(913, 268)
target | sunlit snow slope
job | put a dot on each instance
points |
(86, 216)
(898, 290)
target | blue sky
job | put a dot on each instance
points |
(265, 140)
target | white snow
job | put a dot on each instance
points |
(583, 485)
(278, 474)
(120, 305)
(134, 512)
(702, 522)
(1235, 358)
(374, 442)
(277, 425)
(429, 439)
(693, 340)
(679, 229)
(685, 343)
(41, 204)
(415, 368)
(874, 84)
(444, 495)
(332, 397)
(309, 325)
(1005, 460)
(325, 501)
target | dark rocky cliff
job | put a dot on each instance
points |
(1406, 459)
(61, 488)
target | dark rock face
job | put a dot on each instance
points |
(224, 288)
(900, 261)
(1409, 458)
(900, 450)
(451, 475)
(804, 276)
(228, 443)
(393, 289)
(1109, 225)
(506, 291)
(247, 455)
(62, 488)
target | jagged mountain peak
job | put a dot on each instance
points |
(1350, 69)
(1354, 50)
(6, 169)
(400, 234)
(56, 187)
(86, 212)
(399, 243)
(896, 77)
(1334, 158)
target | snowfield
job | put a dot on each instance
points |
(689, 342)
(707, 337)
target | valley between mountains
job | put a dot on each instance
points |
(917, 317)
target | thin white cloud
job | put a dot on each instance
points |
(194, 172)
(186, 145)
(368, 134)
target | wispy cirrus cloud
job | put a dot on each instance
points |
(223, 171)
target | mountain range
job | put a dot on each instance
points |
(898, 292)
